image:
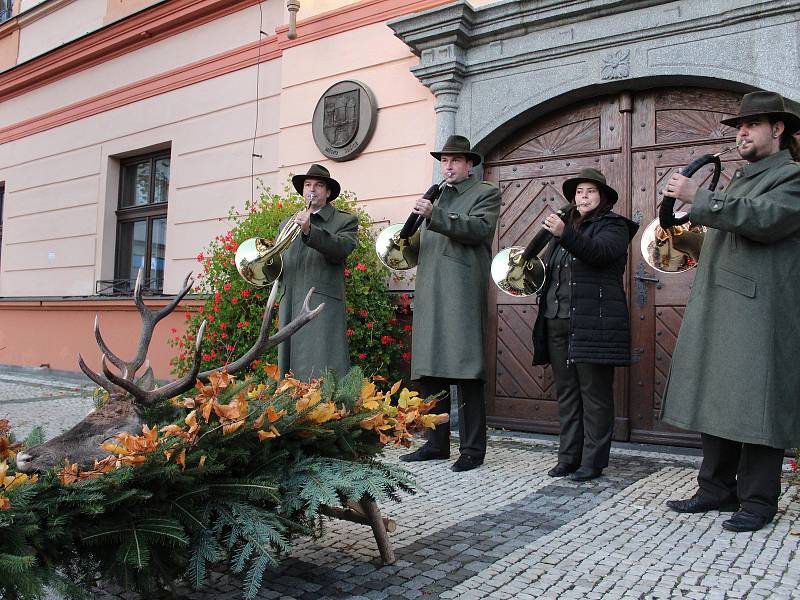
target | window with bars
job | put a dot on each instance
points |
(6, 10)
(141, 223)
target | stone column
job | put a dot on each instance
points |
(446, 93)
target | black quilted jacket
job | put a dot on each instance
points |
(599, 325)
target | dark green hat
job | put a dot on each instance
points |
(594, 176)
(321, 173)
(767, 103)
(458, 144)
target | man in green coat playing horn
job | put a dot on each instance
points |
(734, 375)
(450, 306)
(316, 259)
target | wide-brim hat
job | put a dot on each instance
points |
(321, 173)
(594, 176)
(767, 103)
(458, 144)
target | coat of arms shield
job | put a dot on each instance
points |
(340, 124)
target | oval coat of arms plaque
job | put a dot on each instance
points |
(344, 120)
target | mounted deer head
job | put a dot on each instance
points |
(122, 411)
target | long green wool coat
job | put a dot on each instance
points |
(317, 261)
(450, 303)
(735, 370)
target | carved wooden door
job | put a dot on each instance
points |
(637, 140)
(530, 168)
(671, 129)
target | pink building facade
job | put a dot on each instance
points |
(89, 84)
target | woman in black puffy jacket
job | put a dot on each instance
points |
(582, 327)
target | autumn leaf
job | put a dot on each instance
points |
(272, 371)
(431, 421)
(312, 398)
(367, 391)
(287, 384)
(7, 449)
(113, 448)
(181, 460)
(5, 503)
(69, 474)
(324, 413)
(265, 435)
(408, 398)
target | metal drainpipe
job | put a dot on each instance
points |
(293, 6)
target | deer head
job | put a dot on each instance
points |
(122, 411)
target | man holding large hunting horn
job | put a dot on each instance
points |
(734, 376)
(450, 308)
(316, 259)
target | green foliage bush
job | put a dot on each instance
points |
(234, 308)
(239, 471)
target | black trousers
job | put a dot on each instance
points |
(585, 402)
(733, 470)
(471, 415)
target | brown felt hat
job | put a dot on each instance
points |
(594, 176)
(321, 173)
(458, 144)
(767, 103)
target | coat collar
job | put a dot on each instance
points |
(778, 159)
(326, 212)
(465, 185)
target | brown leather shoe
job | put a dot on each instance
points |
(696, 504)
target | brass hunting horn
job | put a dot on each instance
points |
(395, 245)
(670, 243)
(259, 260)
(519, 271)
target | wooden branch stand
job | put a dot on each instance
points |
(366, 512)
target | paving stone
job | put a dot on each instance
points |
(521, 535)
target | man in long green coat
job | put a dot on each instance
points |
(316, 259)
(734, 375)
(450, 306)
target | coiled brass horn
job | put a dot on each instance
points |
(670, 243)
(395, 245)
(519, 271)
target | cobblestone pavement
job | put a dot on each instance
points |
(507, 530)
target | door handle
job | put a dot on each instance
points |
(644, 278)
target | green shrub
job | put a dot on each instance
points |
(234, 308)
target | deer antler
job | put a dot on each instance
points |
(261, 345)
(149, 321)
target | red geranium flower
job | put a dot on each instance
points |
(407, 356)
(347, 272)
(226, 287)
(363, 312)
(349, 333)
(407, 328)
(386, 340)
(362, 356)
(361, 267)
